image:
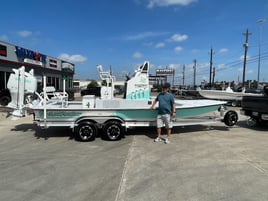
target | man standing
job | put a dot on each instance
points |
(166, 110)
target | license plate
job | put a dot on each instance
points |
(255, 113)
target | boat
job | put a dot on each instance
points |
(227, 95)
(110, 114)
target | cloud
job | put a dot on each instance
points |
(178, 49)
(178, 38)
(24, 33)
(166, 3)
(223, 50)
(76, 58)
(159, 45)
(143, 35)
(4, 38)
(137, 55)
(195, 51)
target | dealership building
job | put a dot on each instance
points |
(55, 70)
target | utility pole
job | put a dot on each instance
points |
(260, 22)
(213, 76)
(183, 74)
(194, 72)
(245, 57)
(173, 74)
(210, 66)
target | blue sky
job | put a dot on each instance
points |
(124, 33)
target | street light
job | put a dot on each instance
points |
(260, 22)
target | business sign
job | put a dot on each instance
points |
(30, 55)
(67, 67)
(157, 78)
(165, 71)
(31, 61)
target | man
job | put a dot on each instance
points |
(166, 110)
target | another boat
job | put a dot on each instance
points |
(111, 114)
(227, 95)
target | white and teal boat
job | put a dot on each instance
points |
(107, 114)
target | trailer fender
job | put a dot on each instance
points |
(230, 118)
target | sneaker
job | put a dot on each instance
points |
(167, 141)
(158, 139)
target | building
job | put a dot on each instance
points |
(55, 70)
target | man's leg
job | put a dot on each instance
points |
(168, 133)
(168, 128)
(158, 130)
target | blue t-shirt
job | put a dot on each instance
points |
(165, 102)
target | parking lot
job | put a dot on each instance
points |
(202, 163)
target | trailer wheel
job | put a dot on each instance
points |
(230, 118)
(85, 131)
(234, 103)
(112, 131)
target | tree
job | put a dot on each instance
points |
(93, 83)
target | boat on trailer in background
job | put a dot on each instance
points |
(228, 95)
(108, 115)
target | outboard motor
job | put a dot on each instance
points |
(19, 84)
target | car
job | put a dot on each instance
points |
(91, 91)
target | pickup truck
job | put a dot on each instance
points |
(256, 107)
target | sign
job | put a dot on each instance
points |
(30, 61)
(29, 54)
(157, 78)
(68, 67)
(53, 63)
(165, 71)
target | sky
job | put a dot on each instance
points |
(122, 34)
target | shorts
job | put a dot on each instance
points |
(163, 120)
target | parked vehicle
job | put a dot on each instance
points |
(256, 107)
(5, 97)
(91, 91)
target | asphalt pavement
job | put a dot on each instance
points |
(202, 163)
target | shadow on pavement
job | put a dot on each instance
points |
(44, 133)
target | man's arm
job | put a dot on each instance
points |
(152, 106)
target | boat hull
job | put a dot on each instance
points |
(225, 95)
(136, 112)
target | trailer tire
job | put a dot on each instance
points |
(234, 103)
(230, 118)
(85, 131)
(112, 131)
